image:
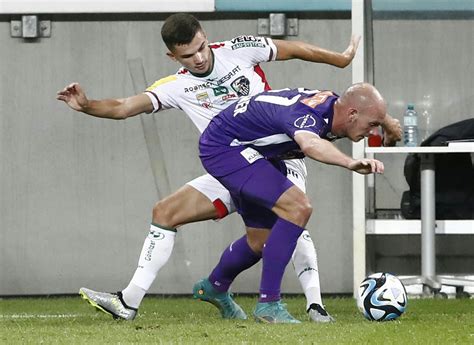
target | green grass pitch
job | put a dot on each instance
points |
(71, 320)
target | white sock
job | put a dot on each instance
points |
(305, 262)
(155, 253)
(133, 295)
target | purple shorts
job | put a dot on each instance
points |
(254, 188)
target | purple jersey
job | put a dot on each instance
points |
(266, 123)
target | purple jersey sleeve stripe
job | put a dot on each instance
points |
(157, 99)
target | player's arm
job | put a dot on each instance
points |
(116, 109)
(287, 50)
(392, 131)
(324, 151)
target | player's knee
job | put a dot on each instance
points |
(302, 210)
(256, 240)
(256, 246)
(164, 215)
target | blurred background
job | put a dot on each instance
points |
(76, 192)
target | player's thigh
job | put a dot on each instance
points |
(255, 189)
(186, 205)
(256, 217)
(293, 206)
(215, 192)
(262, 184)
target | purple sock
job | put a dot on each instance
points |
(276, 255)
(236, 258)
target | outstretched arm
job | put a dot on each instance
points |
(117, 109)
(325, 152)
(304, 51)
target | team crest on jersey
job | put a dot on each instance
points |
(241, 85)
(204, 100)
(305, 121)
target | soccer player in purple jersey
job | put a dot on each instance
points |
(204, 198)
(239, 146)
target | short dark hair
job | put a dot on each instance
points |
(179, 28)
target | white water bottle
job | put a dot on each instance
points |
(410, 127)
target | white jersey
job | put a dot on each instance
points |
(235, 73)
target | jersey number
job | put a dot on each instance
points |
(243, 103)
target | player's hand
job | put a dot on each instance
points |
(392, 132)
(367, 166)
(73, 96)
(351, 50)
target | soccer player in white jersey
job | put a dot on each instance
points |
(212, 77)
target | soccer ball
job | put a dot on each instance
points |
(382, 297)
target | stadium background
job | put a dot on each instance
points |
(76, 192)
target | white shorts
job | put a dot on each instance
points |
(296, 172)
(214, 190)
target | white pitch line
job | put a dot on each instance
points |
(39, 316)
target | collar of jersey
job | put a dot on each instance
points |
(203, 75)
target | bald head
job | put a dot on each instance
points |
(360, 109)
(363, 96)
